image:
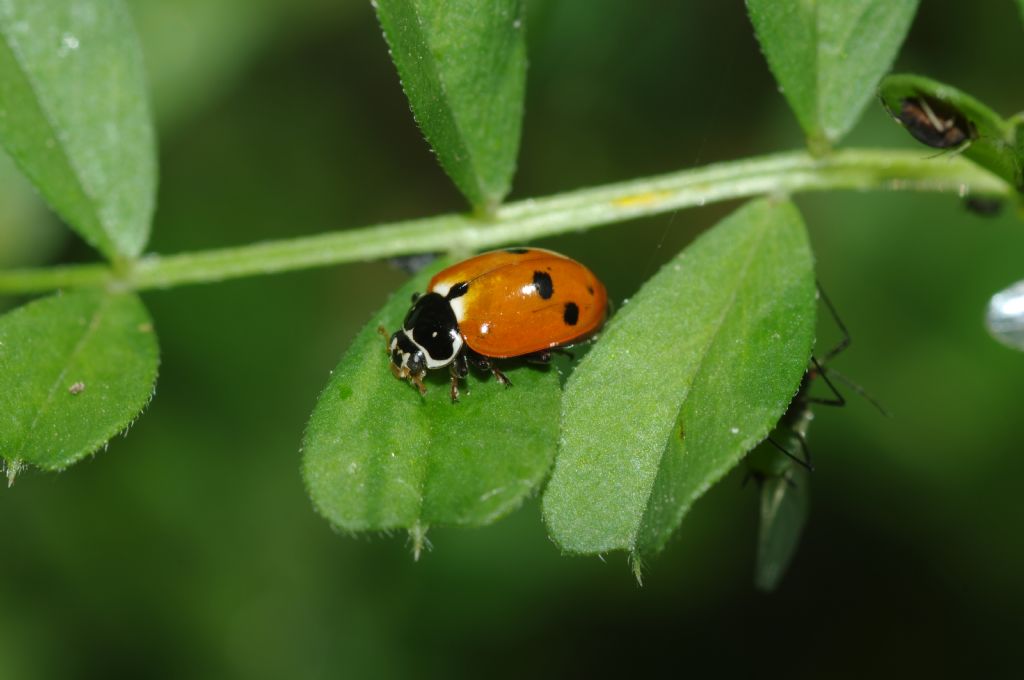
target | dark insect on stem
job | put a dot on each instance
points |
(412, 264)
(983, 206)
(935, 123)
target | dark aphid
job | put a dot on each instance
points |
(412, 264)
(984, 206)
(935, 123)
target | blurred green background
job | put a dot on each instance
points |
(190, 549)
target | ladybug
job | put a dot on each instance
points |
(517, 302)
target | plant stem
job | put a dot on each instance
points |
(523, 221)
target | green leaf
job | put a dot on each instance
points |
(988, 139)
(463, 67)
(73, 114)
(828, 55)
(688, 377)
(379, 456)
(785, 503)
(75, 369)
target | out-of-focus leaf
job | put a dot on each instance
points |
(28, 232)
(943, 117)
(196, 50)
(688, 377)
(463, 67)
(378, 456)
(74, 115)
(75, 369)
(828, 55)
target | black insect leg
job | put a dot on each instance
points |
(458, 369)
(836, 400)
(821, 365)
(500, 377)
(542, 358)
(836, 375)
(804, 462)
(846, 339)
(486, 364)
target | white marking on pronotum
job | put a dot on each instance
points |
(431, 362)
(458, 306)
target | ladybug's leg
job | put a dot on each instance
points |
(485, 364)
(500, 377)
(396, 371)
(383, 332)
(479, 361)
(455, 383)
(458, 369)
(544, 356)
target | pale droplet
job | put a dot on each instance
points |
(1005, 317)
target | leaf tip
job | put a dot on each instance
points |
(12, 468)
(637, 565)
(765, 582)
(418, 537)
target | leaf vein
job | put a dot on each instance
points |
(60, 142)
(712, 338)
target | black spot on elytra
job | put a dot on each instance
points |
(542, 282)
(590, 289)
(517, 251)
(458, 290)
(571, 314)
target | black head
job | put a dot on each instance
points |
(406, 357)
(429, 338)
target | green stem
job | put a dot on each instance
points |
(524, 221)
